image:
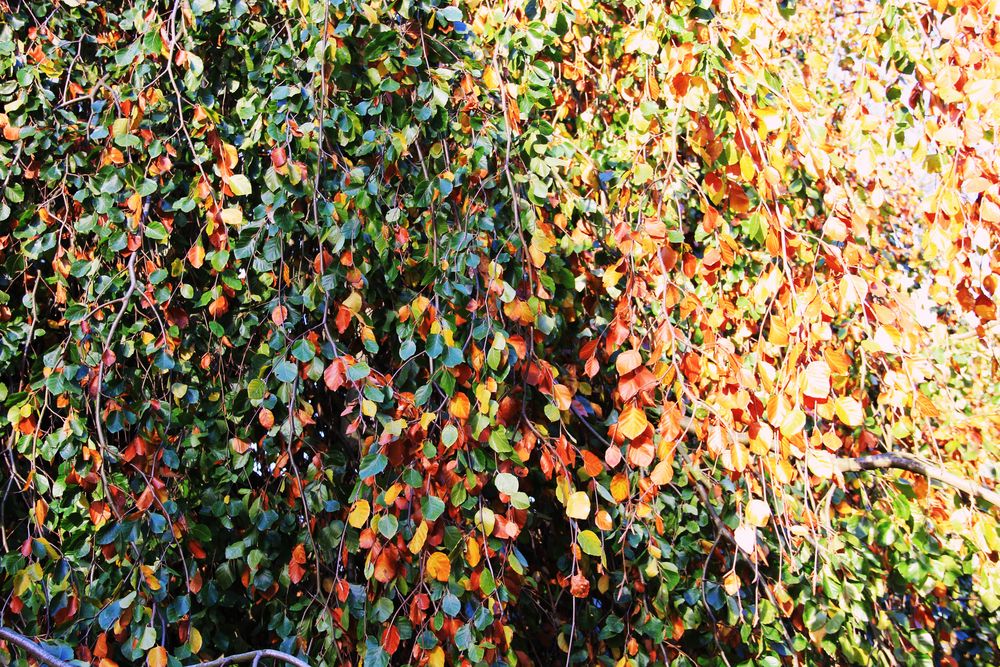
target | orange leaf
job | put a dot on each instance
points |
(385, 566)
(390, 639)
(278, 315)
(632, 422)
(438, 566)
(157, 657)
(295, 569)
(641, 455)
(592, 465)
(628, 361)
(459, 408)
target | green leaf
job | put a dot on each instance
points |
(590, 543)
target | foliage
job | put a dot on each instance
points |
(499, 333)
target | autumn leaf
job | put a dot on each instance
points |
(632, 423)
(157, 657)
(438, 566)
(849, 411)
(578, 505)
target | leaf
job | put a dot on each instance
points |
(416, 543)
(485, 521)
(578, 505)
(487, 584)
(372, 465)
(793, 423)
(359, 514)
(821, 463)
(816, 380)
(240, 185)
(849, 411)
(746, 538)
(232, 216)
(662, 474)
(758, 513)
(157, 657)
(506, 483)
(432, 507)
(628, 361)
(632, 422)
(590, 543)
(459, 407)
(438, 566)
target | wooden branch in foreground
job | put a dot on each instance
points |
(918, 467)
(44, 656)
(36, 651)
(897, 461)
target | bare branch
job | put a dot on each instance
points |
(44, 656)
(36, 651)
(897, 461)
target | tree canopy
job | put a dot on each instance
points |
(597, 332)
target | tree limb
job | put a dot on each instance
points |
(44, 656)
(916, 466)
(897, 461)
(36, 651)
(252, 656)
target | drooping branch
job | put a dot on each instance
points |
(44, 656)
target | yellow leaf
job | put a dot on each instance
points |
(800, 98)
(731, 583)
(232, 216)
(194, 640)
(619, 487)
(490, 78)
(632, 422)
(368, 408)
(419, 537)
(486, 520)
(472, 551)
(821, 463)
(436, 657)
(816, 380)
(849, 411)
(758, 513)
(793, 422)
(438, 566)
(359, 515)
(563, 396)
(392, 493)
(353, 302)
(578, 505)
(240, 185)
(157, 657)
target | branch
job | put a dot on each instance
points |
(44, 656)
(897, 461)
(254, 657)
(916, 466)
(39, 653)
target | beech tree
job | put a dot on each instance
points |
(596, 332)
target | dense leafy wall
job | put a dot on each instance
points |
(515, 332)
